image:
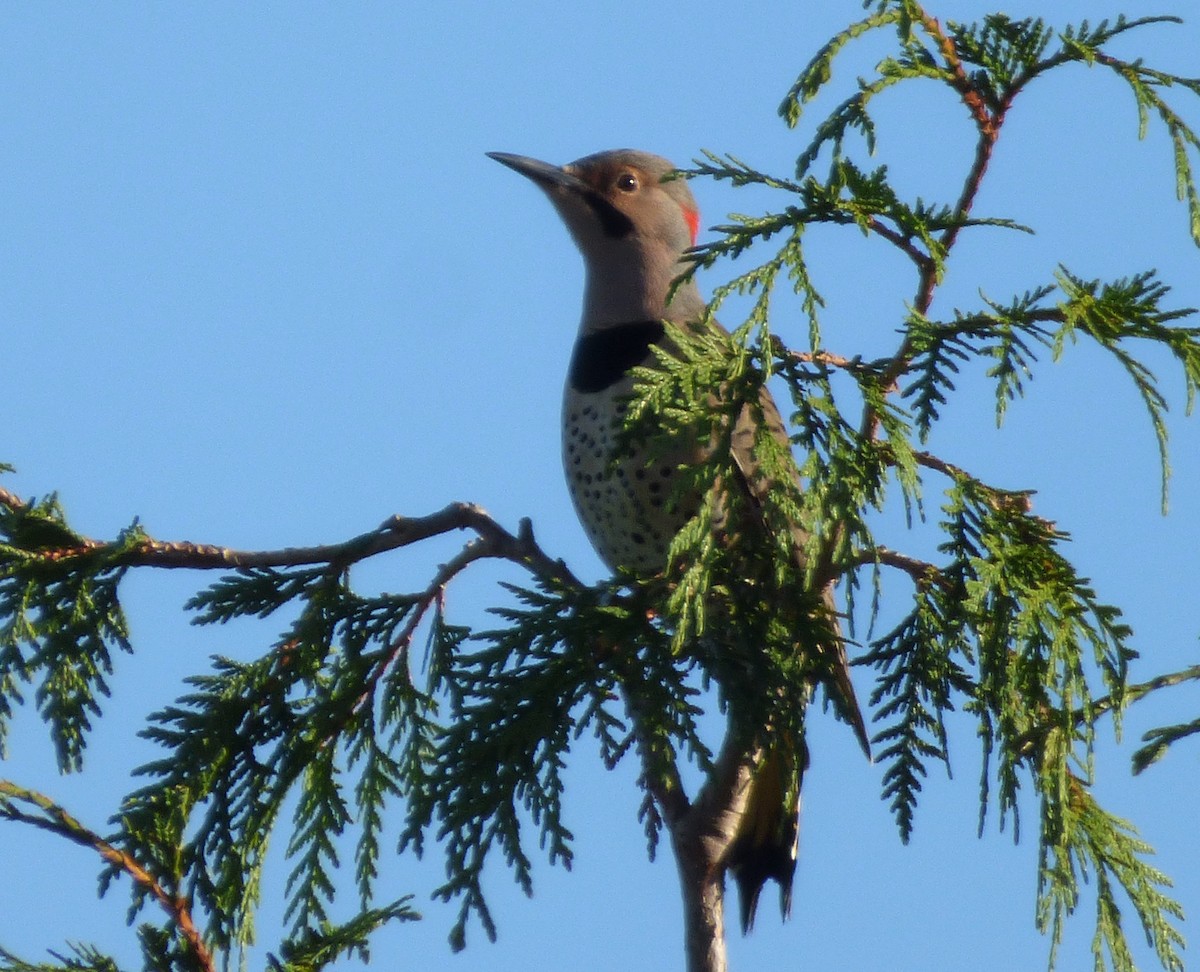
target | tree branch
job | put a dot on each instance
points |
(1020, 500)
(394, 533)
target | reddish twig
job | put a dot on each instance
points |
(924, 262)
(56, 820)
(398, 651)
(988, 122)
(960, 80)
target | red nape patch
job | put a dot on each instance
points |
(693, 220)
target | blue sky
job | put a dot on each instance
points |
(261, 287)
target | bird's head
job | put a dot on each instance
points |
(631, 222)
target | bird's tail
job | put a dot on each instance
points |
(767, 840)
(838, 686)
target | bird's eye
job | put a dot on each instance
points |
(627, 182)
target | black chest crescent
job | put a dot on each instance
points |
(603, 358)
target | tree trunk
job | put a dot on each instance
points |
(701, 835)
(703, 884)
(702, 831)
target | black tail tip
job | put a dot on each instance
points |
(748, 892)
(750, 884)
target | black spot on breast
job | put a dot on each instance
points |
(604, 358)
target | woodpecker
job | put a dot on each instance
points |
(633, 226)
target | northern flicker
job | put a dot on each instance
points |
(633, 227)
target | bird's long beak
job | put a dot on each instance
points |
(543, 173)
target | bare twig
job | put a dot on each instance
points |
(11, 500)
(1134, 693)
(936, 463)
(923, 573)
(823, 358)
